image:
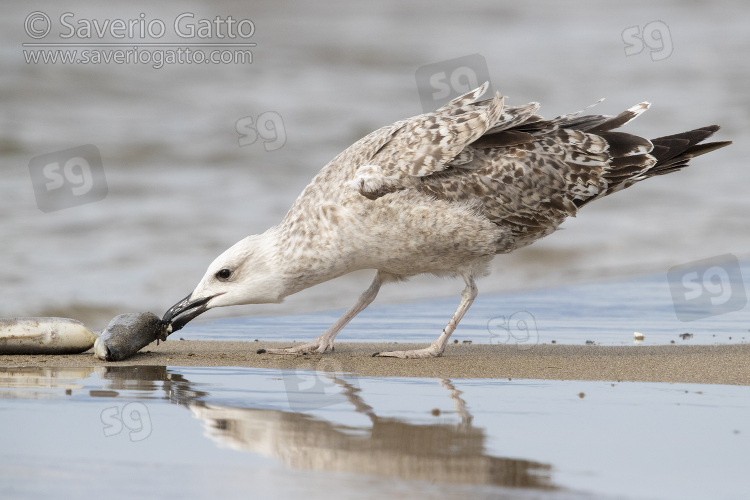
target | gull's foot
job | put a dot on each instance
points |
(428, 352)
(318, 346)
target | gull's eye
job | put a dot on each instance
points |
(224, 274)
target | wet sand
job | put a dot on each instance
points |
(720, 364)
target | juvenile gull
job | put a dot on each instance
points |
(440, 193)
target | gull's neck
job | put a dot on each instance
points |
(297, 260)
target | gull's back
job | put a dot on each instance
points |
(474, 179)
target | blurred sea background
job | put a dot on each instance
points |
(182, 188)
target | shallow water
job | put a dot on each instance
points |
(606, 313)
(232, 432)
(181, 188)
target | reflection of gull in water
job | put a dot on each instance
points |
(442, 452)
(439, 193)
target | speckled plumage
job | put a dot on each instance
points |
(442, 193)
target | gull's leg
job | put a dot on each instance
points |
(460, 404)
(325, 341)
(437, 347)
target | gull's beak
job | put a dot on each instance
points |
(185, 310)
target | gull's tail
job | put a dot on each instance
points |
(673, 152)
(668, 154)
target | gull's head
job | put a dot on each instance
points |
(243, 274)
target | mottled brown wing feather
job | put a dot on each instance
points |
(428, 143)
(528, 174)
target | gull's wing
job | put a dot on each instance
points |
(519, 170)
(426, 144)
(530, 175)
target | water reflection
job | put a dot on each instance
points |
(388, 447)
(40, 383)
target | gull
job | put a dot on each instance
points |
(440, 193)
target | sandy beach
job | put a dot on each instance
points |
(720, 364)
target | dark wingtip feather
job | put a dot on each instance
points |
(671, 147)
(622, 144)
(674, 151)
(700, 149)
